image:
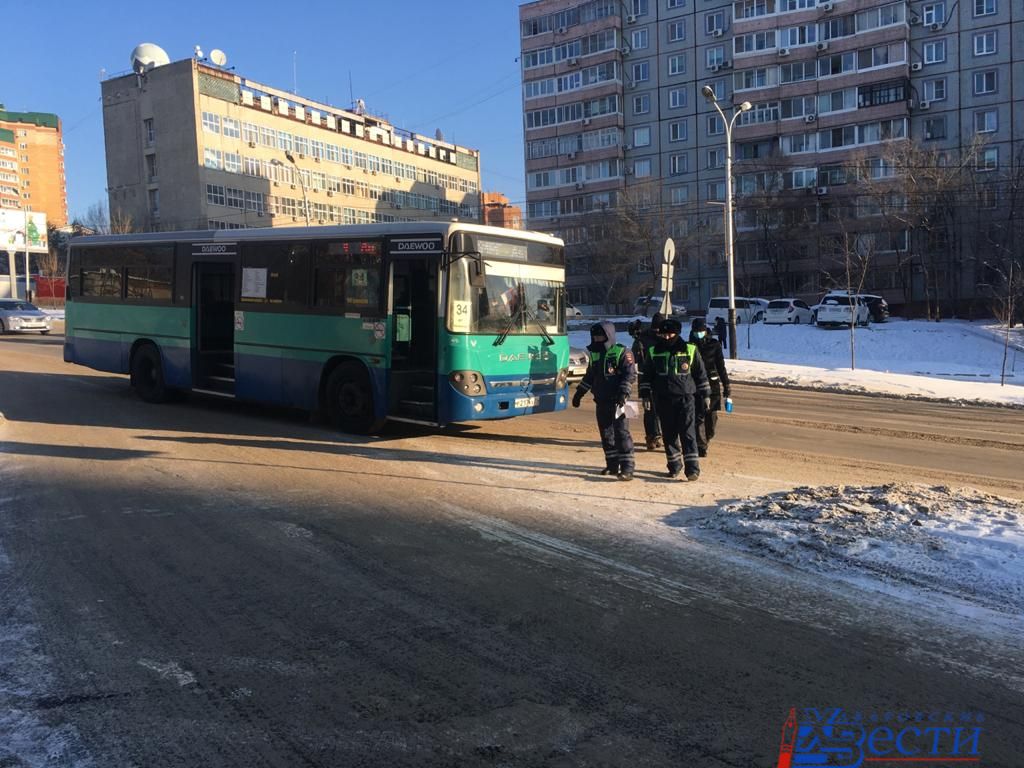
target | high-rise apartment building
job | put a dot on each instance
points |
(615, 118)
(32, 164)
(191, 145)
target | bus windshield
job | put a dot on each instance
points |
(515, 298)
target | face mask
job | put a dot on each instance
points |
(701, 334)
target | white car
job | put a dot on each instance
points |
(788, 312)
(837, 310)
(571, 311)
(747, 310)
(579, 358)
(19, 316)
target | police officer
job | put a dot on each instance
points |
(610, 376)
(643, 339)
(676, 374)
(714, 362)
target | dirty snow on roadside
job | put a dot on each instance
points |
(958, 542)
(26, 682)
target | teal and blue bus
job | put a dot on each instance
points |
(416, 321)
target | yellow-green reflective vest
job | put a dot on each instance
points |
(672, 363)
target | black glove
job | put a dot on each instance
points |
(577, 399)
(621, 402)
(707, 403)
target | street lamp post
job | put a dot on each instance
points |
(302, 184)
(709, 94)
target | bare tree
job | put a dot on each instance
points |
(99, 219)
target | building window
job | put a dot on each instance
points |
(679, 164)
(677, 98)
(151, 168)
(985, 82)
(679, 195)
(232, 162)
(642, 136)
(212, 158)
(984, 7)
(986, 121)
(933, 13)
(935, 90)
(641, 104)
(676, 31)
(215, 194)
(989, 159)
(716, 190)
(148, 132)
(642, 168)
(641, 72)
(676, 4)
(211, 122)
(935, 52)
(715, 56)
(638, 7)
(639, 39)
(714, 22)
(677, 131)
(231, 128)
(235, 198)
(677, 65)
(715, 125)
(935, 128)
(985, 43)
(716, 158)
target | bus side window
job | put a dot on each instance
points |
(286, 266)
(101, 270)
(347, 277)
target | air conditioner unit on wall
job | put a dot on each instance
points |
(571, 155)
(925, 105)
(631, 18)
(572, 61)
(914, 20)
(826, 7)
(810, 118)
(822, 190)
(715, 67)
(823, 46)
(783, 51)
(717, 33)
(934, 27)
(726, 64)
(915, 67)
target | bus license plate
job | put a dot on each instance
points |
(526, 402)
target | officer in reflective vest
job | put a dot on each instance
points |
(675, 372)
(610, 376)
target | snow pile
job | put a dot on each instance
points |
(960, 542)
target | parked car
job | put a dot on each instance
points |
(578, 360)
(571, 311)
(877, 306)
(747, 310)
(836, 310)
(788, 311)
(646, 306)
(17, 315)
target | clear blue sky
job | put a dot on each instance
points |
(424, 65)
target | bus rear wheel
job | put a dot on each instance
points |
(350, 400)
(147, 374)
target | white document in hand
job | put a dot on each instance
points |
(631, 410)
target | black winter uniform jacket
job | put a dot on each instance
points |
(670, 370)
(714, 362)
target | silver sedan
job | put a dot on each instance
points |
(17, 315)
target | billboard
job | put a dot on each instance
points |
(14, 225)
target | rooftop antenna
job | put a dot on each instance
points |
(295, 72)
(351, 95)
(198, 52)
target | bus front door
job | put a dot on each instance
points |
(213, 362)
(413, 391)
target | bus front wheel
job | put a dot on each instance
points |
(147, 374)
(350, 400)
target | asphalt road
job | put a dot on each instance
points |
(212, 584)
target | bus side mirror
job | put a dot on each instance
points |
(477, 276)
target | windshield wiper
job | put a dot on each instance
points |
(532, 317)
(513, 318)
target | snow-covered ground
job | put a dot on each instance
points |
(951, 360)
(958, 542)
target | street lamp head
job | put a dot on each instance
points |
(746, 106)
(709, 93)
(289, 156)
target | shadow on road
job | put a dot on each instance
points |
(86, 452)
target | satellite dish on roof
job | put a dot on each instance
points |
(360, 106)
(146, 56)
(218, 57)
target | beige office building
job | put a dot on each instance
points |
(190, 145)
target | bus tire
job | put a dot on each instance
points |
(147, 375)
(349, 400)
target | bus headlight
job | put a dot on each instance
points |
(470, 383)
(562, 379)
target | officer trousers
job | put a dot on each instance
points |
(652, 427)
(616, 439)
(678, 430)
(707, 421)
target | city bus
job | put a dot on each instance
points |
(424, 322)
